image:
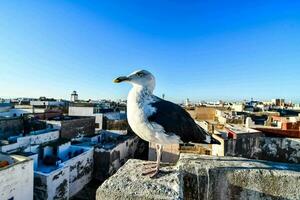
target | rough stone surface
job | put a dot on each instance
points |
(128, 183)
(256, 146)
(205, 177)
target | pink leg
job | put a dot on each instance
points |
(153, 171)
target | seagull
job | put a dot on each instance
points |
(159, 121)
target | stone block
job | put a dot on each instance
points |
(205, 177)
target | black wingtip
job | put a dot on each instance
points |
(214, 141)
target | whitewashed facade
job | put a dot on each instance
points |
(69, 177)
(89, 111)
(110, 157)
(16, 179)
(39, 137)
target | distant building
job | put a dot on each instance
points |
(250, 143)
(112, 150)
(46, 114)
(44, 102)
(278, 102)
(238, 107)
(11, 126)
(73, 126)
(63, 170)
(5, 107)
(96, 110)
(187, 102)
(170, 153)
(19, 111)
(203, 113)
(74, 96)
(8, 110)
(16, 177)
(282, 126)
(233, 117)
(17, 143)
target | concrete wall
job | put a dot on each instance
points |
(11, 127)
(73, 128)
(107, 162)
(81, 111)
(26, 141)
(99, 120)
(203, 113)
(199, 177)
(81, 170)
(218, 149)
(264, 148)
(170, 153)
(115, 124)
(63, 150)
(213, 178)
(17, 112)
(16, 180)
(115, 116)
(39, 138)
(66, 181)
(87, 111)
(52, 186)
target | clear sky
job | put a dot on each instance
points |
(204, 51)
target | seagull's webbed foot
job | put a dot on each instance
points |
(149, 163)
(148, 168)
(152, 172)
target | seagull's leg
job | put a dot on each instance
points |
(153, 171)
(149, 165)
(159, 151)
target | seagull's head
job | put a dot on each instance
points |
(140, 78)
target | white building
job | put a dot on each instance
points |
(95, 110)
(63, 170)
(47, 103)
(187, 102)
(74, 96)
(34, 138)
(16, 177)
(238, 107)
(19, 110)
(5, 107)
(112, 149)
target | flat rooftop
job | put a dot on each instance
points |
(13, 139)
(8, 160)
(73, 150)
(67, 118)
(240, 129)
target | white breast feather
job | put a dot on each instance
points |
(138, 110)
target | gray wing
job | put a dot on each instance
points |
(175, 120)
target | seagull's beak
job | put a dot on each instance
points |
(121, 79)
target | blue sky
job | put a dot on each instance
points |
(205, 51)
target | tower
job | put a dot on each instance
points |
(74, 96)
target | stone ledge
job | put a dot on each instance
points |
(128, 183)
(205, 177)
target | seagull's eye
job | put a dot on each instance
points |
(139, 74)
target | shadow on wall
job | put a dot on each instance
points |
(264, 148)
(215, 184)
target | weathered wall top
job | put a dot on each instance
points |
(205, 177)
